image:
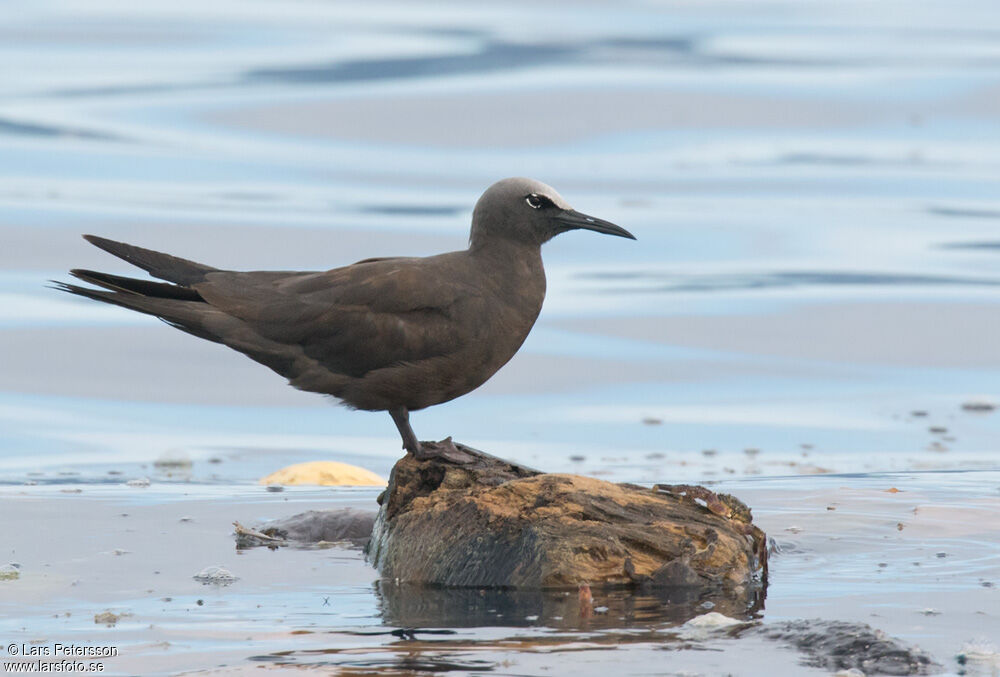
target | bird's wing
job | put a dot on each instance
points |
(352, 320)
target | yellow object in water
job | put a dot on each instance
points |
(325, 473)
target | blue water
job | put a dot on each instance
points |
(814, 188)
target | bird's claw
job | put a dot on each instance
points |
(445, 449)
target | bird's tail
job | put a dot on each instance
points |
(178, 306)
(164, 266)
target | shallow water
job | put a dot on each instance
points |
(811, 301)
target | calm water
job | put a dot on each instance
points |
(814, 289)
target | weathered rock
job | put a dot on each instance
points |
(309, 528)
(464, 518)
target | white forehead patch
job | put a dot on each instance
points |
(539, 188)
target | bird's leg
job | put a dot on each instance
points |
(401, 417)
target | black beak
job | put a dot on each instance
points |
(571, 219)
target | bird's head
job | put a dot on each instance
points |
(525, 210)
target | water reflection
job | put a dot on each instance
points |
(446, 630)
(416, 606)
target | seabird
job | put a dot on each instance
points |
(383, 334)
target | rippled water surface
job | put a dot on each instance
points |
(810, 315)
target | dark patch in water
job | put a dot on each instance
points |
(709, 283)
(492, 57)
(963, 213)
(15, 128)
(412, 210)
(971, 245)
(820, 159)
(495, 56)
(837, 645)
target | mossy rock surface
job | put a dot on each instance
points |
(469, 519)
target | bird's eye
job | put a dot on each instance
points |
(534, 201)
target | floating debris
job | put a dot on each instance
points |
(839, 645)
(139, 483)
(10, 571)
(215, 575)
(173, 459)
(649, 420)
(107, 618)
(981, 653)
(979, 405)
(700, 627)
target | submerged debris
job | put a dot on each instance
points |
(215, 575)
(979, 405)
(713, 620)
(838, 645)
(173, 460)
(108, 618)
(311, 528)
(982, 654)
(10, 571)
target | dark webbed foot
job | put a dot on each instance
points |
(445, 449)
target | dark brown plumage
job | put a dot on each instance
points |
(394, 334)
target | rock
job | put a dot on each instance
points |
(10, 571)
(310, 528)
(839, 645)
(325, 473)
(465, 518)
(107, 618)
(215, 575)
(173, 460)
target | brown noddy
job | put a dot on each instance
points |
(392, 334)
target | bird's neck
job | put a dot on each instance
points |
(509, 263)
(497, 252)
